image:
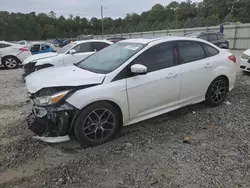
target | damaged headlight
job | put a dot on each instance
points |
(245, 56)
(47, 100)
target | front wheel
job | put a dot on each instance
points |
(97, 124)
(217, 91)
(10, 62)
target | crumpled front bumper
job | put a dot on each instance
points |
(28, 69)
(51, 124)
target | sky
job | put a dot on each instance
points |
(83, 8)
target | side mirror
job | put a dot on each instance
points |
(72, 51)
(138, 69)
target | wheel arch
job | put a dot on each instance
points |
(117, 107)
(219, 76)
(6, 56)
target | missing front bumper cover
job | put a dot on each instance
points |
(50, 125)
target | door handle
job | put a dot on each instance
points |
(208, 65)
(171, 75)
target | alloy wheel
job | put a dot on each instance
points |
(10, 63)
(219, 90)
(99, 124)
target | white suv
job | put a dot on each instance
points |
(127, 82)
(69, 54)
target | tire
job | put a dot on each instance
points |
(217, 91)
(97, 124)
(10, 62)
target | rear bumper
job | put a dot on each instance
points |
(51, 125)
(245, 65)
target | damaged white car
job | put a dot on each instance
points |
(127, 82)
(69, 54)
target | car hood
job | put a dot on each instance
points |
(39, 56)
(247, 52)
(61, 76)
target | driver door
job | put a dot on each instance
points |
(159, 89)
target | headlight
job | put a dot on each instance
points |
(245, 56)
(47, 100)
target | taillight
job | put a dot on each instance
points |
(232, 58)
(24, 49)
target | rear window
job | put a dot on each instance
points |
(212, 51)
(204, 37)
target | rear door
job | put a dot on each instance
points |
(196, 70)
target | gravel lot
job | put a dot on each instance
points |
(216, 152)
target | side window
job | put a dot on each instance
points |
(157, 57)
(204, 37)
(43, 47)
(4, 45)
(98, 46)
(190, 51)
(84, 47)
(47, 46)
(35, 48)
(212, 37)
(212, 51)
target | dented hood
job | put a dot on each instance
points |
(39, 56)
(61, 76)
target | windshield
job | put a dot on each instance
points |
(110, 58)
(65, 48)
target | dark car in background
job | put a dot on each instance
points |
(216, 38)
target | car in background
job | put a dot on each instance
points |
(245, 61)
(12, 54)
(60, 43)
(116, 39)
(125, 83)
(69, 54)
(38, 48)
(216, 38)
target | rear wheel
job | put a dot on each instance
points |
(97, 124)
(217, 91)
(10, 62)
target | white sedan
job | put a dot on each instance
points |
(13, 54)
(69, 54)
(125, 83)
(245, 61)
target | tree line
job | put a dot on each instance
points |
(32, 26)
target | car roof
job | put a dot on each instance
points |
(91, 40)
(4, 42)
(165, 39)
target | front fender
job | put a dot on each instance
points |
(114, 92)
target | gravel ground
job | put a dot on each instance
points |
(192, 147)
